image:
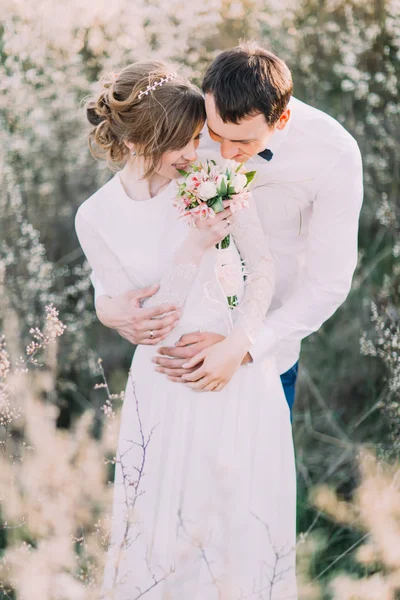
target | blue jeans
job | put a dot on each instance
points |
(289, 384)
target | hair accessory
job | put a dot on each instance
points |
(150, 88)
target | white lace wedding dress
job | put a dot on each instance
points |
(204, 496)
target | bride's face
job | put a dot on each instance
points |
(179, 159)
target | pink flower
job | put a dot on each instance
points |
(202, 212)
(239, 201)
(180, 205)
(192, 182)
(187, 200)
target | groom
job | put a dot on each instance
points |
(308, 194)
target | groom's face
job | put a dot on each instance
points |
(240, 141)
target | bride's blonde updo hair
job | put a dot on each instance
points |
(163, 119)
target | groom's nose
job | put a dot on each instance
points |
(228, 149)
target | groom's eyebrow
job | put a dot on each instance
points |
(234, 141)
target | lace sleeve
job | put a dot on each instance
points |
(114, 280)
(258, 270)
(174, 285)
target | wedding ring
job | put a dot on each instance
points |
(151, 334)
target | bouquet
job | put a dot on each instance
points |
(203, 191)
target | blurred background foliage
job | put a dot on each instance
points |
(345, 60)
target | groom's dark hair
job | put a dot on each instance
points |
(248, 80)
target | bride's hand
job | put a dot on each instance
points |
(209, 232)
(219, 363)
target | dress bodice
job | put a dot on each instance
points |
(134, 244)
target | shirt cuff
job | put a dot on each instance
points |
(266, 341)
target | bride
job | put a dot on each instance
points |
(204, 492)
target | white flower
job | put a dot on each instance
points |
(207, 190)
(239, 181)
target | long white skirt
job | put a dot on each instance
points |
(205, 493)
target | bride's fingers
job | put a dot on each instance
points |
(224, 214)
(210, 387)
(219, 387)
(201, 384)
(176, 379)
(219, 218)
(172, 372)
(194, 374)
(190, 338)
(169, 363)
(197, 359)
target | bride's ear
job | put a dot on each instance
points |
(131, 147)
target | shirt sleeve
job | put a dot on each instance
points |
(97, 286)
(331, 258)
(259, 273)
(109, 276)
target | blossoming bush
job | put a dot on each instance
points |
(54, 494)
(372, 518)
(344, 55)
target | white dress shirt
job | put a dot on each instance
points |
(308, 198)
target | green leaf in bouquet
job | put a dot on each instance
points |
(223, 190)
(217, 204)
(231, 191)
(239, 167)
(250, 176)
(183, 173)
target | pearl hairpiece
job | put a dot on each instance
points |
(150, 88)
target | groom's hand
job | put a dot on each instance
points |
(125, 314)
(172, 358)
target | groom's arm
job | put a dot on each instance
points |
(331, 257)
(125, 314)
